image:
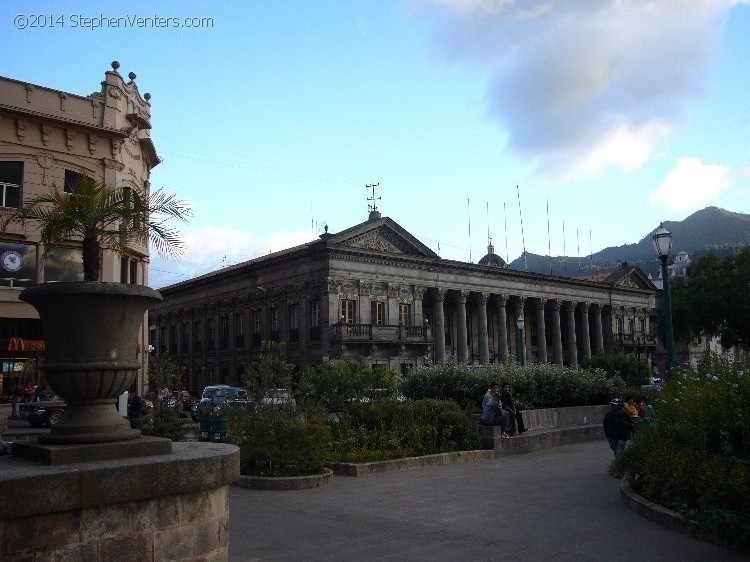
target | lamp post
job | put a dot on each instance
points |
(663, 244)
(521, 344)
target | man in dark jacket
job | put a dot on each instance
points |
(516, 420)
(617, 427)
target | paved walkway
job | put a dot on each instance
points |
(557, 505)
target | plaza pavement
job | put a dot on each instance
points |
(555, 505)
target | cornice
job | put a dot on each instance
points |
(31, 114)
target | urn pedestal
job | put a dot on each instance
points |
(92, 353)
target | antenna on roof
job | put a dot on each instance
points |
(523, 237)
(549, 240)
(374, 206)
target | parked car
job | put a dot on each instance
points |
(47, 412)
(279, 398)
(216, 396)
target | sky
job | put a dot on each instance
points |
(554, 126)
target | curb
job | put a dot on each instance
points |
(307, 482)
(666, 517)
(408, 463)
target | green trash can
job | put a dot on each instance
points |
(213, 428)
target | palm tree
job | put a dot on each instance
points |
(102, 215)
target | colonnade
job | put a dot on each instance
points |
(573, 338)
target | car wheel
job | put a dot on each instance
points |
(55, 417)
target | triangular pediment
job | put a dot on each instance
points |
(632, 278)
(383, 236)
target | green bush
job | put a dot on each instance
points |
(625, 366)
(278, 442)
(161, 422)
(534, 386)
(693, 455)
(392, 429)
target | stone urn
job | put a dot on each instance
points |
(92, 354)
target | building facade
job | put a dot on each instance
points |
(374, 291)
(48, 140)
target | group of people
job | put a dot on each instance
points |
(27, 393)
(620, 421)
(498, 408)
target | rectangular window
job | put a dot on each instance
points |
(198, 335)
(11, 180)
(17, 264)
(404, 314)
(224, 331)
(347, 311)
(124, 270)
(314, 314)
(211, 334)
(134, 272)
(239, 330)
(185, 338)
(377, 312)
(162, 340)
(293, 323)
(173, 339)
(256, 322)
(274, 323)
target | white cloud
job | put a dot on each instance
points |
(691, 185)
(210, 248)
(585, 86)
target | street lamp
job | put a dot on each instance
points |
(663, 244)
(521, 344)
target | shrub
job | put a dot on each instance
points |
(392, 429)
(161, 422)
(534, 386)
(278, 442)
(693, 456)
(625, 366)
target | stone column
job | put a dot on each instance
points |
(541, 335)
(557, 350)
(484, 345)
(520, 342)
(585, 331)
(438, 328)
(571, 329)
(598, 330)
(461, 335)
(502, 332)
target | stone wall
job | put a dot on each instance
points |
(189, 526)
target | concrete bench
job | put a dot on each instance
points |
(546, 428)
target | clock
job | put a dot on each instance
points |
(11, 261)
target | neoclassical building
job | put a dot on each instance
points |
(48, 140)
(376, 292)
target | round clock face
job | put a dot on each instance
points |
(11, 260)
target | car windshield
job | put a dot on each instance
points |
(241, 394)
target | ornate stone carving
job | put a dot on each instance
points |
(63, 100)
(627, 282)
(114, 93)
(95, 105)
(374, 240)
(365, 287)
(117, 145)
(45, 161)
(29, 92)
(392, 290)
(20, 129)
(419, 291)
(45, 133)
(333, 285)
(114, 165)
(92, 143)
(70, 136)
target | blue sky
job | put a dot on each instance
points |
(272, 118)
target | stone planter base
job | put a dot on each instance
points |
(286, 482)
(160, 507)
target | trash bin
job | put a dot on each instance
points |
(213, 428)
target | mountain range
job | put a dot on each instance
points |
(709, 230)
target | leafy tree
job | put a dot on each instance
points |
(714, 299)
(163, 371)
(270, 370)
(99, 214)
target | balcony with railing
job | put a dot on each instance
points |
(351, 333)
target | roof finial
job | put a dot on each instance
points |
(374, 213)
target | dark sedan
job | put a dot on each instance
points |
(47, 412)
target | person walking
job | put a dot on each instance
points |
(617, 427)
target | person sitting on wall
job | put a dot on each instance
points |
(514, 415)
(492, 410)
